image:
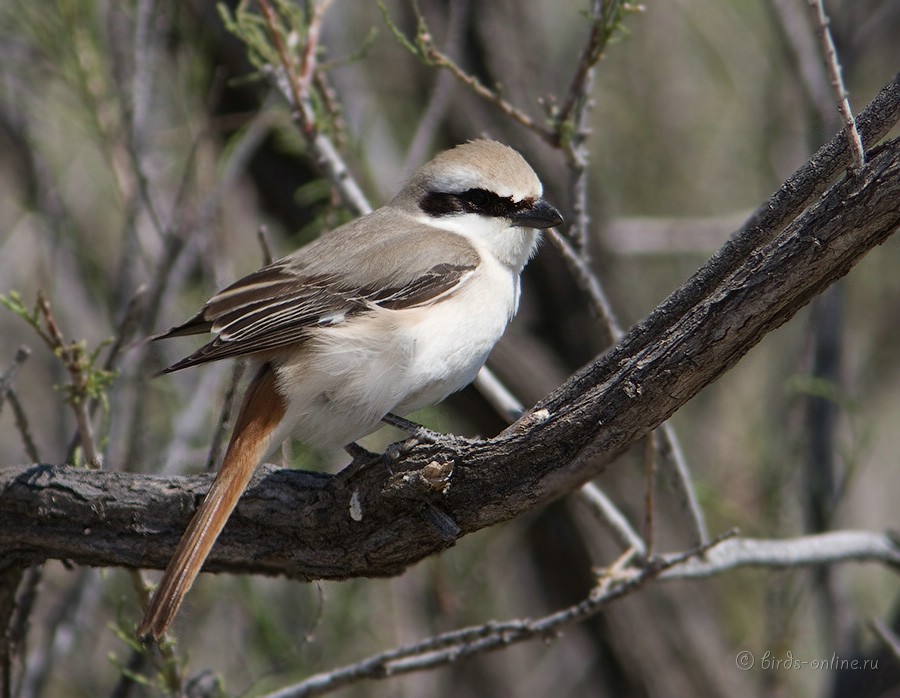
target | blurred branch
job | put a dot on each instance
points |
(607, 406)
(601, 506)
(295, 83)
(608, 16)
(887, 636)
(8, 394)
(820, 549)
(422, 46)
(439, 101)
(613, 583)
(87, 381)
(9, 375)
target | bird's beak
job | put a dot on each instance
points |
(539, 215)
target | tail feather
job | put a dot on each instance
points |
(260, 415)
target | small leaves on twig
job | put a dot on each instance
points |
(87, 380)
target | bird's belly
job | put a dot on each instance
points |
(391, 361)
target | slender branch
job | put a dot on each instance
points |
(607, 18)
(439, 100)
(298, 87)
(613, 584)
(292, 86)
(601, 506)
(683, 481)
(9, 375)
(887, 636)
(829, 54)
(498, 395)
(589, 284)
(72, 357)
(797, 193)
(23, 426)
(819, 549)
(424, 48)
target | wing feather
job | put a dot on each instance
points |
(279, 304)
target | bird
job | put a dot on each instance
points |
(379, 317)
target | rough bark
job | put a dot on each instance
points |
(369, 521)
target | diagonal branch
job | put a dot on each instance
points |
(300, 524)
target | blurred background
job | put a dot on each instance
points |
(139, 157)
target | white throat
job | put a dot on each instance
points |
(511, 246)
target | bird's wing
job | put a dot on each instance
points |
(279, 304)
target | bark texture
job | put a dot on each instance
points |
(372, 521)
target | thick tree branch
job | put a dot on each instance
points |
(367, 521)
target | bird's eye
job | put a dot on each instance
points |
(478, 198)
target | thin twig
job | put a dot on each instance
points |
(791, 553)
(218, 441)
(447, 648)
(670, 448)
(829, 53)
(296, 92)
(498, 395)
(6, 379)
(439, 101)
(23, 426)
(607, 16)
(425, 49)
(262, 236)
(649, 489)
(596, 501)
(441, 60)
(887, 636)
(589, 284)
(71, 356)
(128, 327)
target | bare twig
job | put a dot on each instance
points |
(590, 495)
(649, 489)
(262, 234)
(819, 549)
(683, 481)
(498, 395)
(607, 17)
(218, 441)
(887, 636)
(442, 90)
(295, 88)
(589, 284)
(128, 327)
(446, 648)
(424, 48)
(669, 446)
(73, 358)
(23, 426)
(829, 53)
(596, 501)
(8, 376)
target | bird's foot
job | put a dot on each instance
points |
(418, 435)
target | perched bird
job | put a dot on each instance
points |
(391, 312)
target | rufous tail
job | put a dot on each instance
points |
(261, 413)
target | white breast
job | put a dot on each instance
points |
(355, 372)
